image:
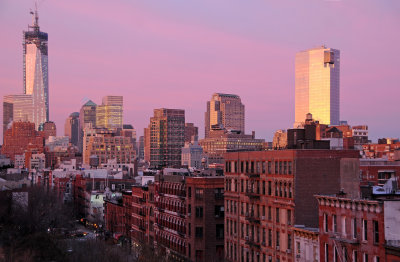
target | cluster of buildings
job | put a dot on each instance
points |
(321, 191)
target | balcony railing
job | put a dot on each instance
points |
(252, 218)
(253, 175)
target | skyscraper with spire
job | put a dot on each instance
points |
(36, 77)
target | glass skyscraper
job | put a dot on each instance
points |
(36, 79)
(16, 108)
(317, 85)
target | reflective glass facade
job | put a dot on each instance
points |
(16, 108)
(317, 85)
(36, 80)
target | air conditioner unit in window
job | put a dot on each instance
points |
(289, 251)
(278, 248)
(263, 218)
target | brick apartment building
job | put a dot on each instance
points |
(22, 138)
(180, 214)
(378, 171)
(267, 192)
(358, 229)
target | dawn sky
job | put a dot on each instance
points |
(175, 54)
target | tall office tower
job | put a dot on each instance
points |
(36, 79)
(224, 111)
(71, 128)
(318, 85)
(87, 118)
(109, 114)
(167, 137)
(16, 108)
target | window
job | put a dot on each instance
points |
(334, 223)
(345, 255)
(377, 259)
(326, 252)
(269, 167)
(219, 211)
(298, 248)
(289, 241)
(355, 255)
(376, 232)
(277, 215)
(199, 193)
(269, 213)
(219, 193)
(365, 230)
(189, 192)
(199, 232)
(219, 231)
(263, 187)
(325, 222)
(354, 227)
(199, 211)
(269, 237)
(289, 217)
(365, 257)
(269, 188)
(277, 242)
(343, 226)
(335, 254)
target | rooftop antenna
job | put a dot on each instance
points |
(35, 17)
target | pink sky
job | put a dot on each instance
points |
(175, 54)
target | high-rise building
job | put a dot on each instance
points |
(167, 137)
(224, 111)
(16, 108)
(87, 118)
(317, 85)
(72, 128)
(190, 131)
(109, 113)
(36, 79)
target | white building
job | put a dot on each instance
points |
(192, 154)
(306, 244)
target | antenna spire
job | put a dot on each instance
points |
(35, 17)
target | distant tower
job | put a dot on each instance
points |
(166, 134)
(87, 118)
(72, 128)
(36, 77)
(317, 85)
(109, 113)
(224, 111)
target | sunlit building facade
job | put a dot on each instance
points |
(317, 85)
(224, 111)
(16, 108)
(87, 118)
(165, 137)
(107, 145)
(36, 80)
(109, 114)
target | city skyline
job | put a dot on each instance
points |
(248, 58)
